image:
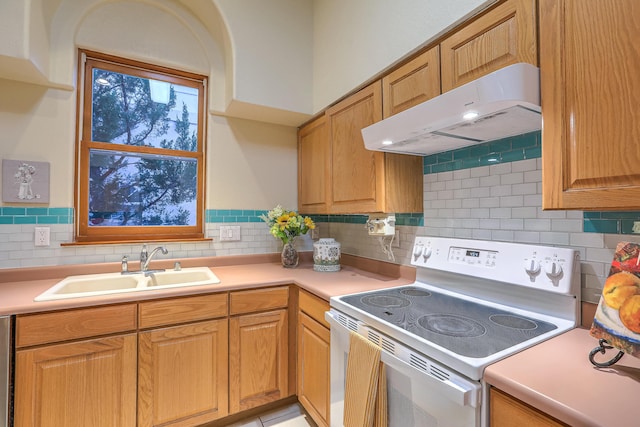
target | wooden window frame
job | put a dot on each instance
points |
(87, 60)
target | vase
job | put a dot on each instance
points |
(289, 255)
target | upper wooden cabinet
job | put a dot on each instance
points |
(364, 181)
(412, 83)
(591, 121)
(503, 36)
(314, 167)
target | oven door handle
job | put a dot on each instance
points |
(462, 392)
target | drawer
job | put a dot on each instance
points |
(313, 306)
(181, 310)
(42, 328)
(258, 300)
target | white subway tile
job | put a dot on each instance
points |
(533, 176)
(500, 213)
(500, 169)
(554, 238)
(599, 255)
(470, 183)
(568, 225)
(489, 180)
(537, 224)
(524, 165)
(489, 202)
(527, 237)
(511, 224)
(462, 174)
(524, 212)
(502, 235)
(501, 190)
(511, 201)
(524, 189)
(512, 178)
(590, 240)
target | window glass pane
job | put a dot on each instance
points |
(135, 190)
(138, 111)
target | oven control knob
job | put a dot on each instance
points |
(553, 269)
(417, 251)
(427, 253)
(531, 266)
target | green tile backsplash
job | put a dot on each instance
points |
(15, 215)
(521, 147)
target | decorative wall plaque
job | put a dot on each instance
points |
(25, 181)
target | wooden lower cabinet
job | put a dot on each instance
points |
(79, 384)
(507, 411)
(258, 362)
(182, 374)
(314, 364)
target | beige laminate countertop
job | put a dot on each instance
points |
(557, 378)
(17, 292)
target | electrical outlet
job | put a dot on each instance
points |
(42, 236)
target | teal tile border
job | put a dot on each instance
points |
(39, 215)
(16, 215)
(614, 222)
(239, 215)
(512, 149)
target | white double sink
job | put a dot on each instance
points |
(112, 283)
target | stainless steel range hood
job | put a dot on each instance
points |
(503, 103)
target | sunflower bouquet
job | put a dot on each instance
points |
(287, 225)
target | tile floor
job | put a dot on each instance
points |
(288, 416)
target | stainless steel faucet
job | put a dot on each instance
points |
(145, 257)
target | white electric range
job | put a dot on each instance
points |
(473, 303)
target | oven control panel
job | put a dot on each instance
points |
(542, 267)
(480, 258)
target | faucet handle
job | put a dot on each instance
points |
(144, 254)
(125, 264)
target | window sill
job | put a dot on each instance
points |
(137, 241)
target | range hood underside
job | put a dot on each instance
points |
(506, 101)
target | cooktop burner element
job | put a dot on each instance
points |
(452, 325)
(465, 327)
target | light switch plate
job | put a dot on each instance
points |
(229, 233)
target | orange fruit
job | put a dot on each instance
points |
(618, 287)
(630, 313)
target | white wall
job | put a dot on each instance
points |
(272, 52)
(356, 39)
(251, 165)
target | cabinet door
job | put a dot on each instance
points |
(182, 374)
(258, 348)
(314, 364)
(505, 411)
(357, 176)
(503, 36)
(86, 383)
(590, 84)
(411, 84)
(314, 171)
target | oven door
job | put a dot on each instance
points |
(416, 397)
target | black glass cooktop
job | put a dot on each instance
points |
(463, 327)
